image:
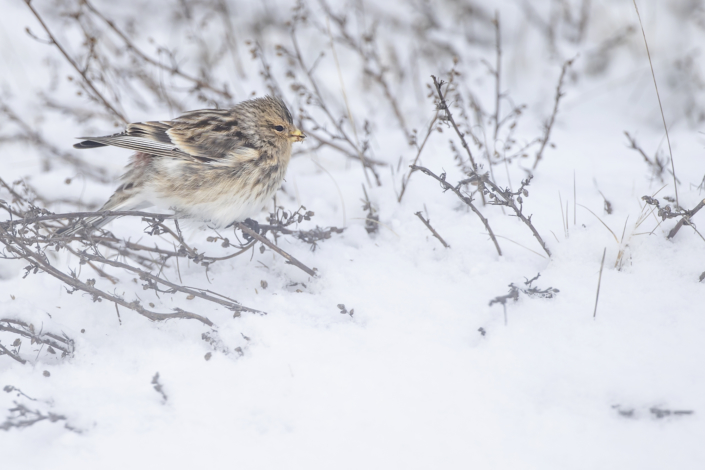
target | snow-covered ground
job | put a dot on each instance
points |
(425, 373)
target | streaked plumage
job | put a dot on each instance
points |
(214, 165)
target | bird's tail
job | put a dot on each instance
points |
(87, 225)
(120, 200)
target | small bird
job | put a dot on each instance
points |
(215, 165)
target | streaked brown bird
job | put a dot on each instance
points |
(214, 165)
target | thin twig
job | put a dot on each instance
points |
(14, 356)
(506, 197)
(467, 200)
(234, 306)
(75, 66)
(552, 119)
(443, 105)
(686, 219)
(370, 56)
(84, 214)
(290, 259)
(321, 104)
(39, 261)
(667, 213)
(172, 69)
(405, 180)
(26, 330)
(36, 138)
(656, 164)
(427, 223)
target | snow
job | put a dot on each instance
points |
(425, 373)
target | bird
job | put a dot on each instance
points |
(218, 166)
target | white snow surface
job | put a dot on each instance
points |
(425, 373)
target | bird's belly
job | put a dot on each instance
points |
(219, 195)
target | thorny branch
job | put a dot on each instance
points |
(405, 179)
(443, 106)
(657, 165)
(529, 290)
(320, 102)
(39, 262)
(667, 213)
(23, 417)
(497, 195)
(151, 281)
(549, 125)
(503, 299)
(19, 245)
(509, 198)
(31, 231)
(280, 220)
(53, 341)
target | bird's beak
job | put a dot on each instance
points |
(297, 136)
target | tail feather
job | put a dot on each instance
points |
(88, 144)
(120, 200)
(89, 225)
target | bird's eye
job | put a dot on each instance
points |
(278, 128)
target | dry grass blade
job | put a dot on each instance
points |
(599, 282)
(658, 96)
(613, 234)
(519, 244)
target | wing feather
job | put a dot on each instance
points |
(206, 135)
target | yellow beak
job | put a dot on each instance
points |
(297, 136)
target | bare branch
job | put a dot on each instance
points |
(427, 223)
(290, 259)
(81, 72)
(466, 199)
(405, 180)
(549, 125)
(667, 213)
(443, 106)
(171, 69)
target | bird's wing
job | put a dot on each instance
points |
(206, 135)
